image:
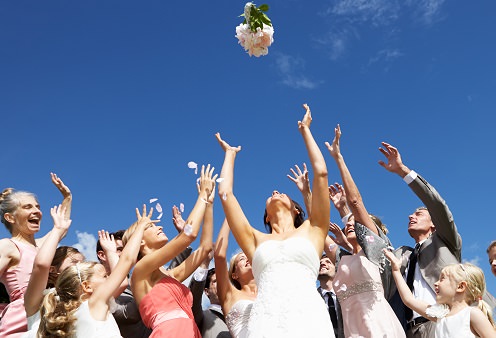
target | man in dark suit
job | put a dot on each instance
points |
(211, 321)
(438, 242)
(327, 271)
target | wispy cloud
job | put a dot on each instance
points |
(386, 55)
(474, 260)
(291, 70)
(377, 12)
(86, 245)
(426, 11)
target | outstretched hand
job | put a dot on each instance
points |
(64, 190)
(107, 242)
(307, 118)
(333, 148)
(225, 146)
(59, 221)
(337, 195)
(206, 185)
(394, 163)
(339, 237)
(177, 219)
(395, 262)
(300, 178)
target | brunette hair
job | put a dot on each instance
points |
(61, 253)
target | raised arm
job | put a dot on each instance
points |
(242, 230)
(110, 249)
(353, 197)
(98, 301)
(160, 257)
(186, 268)
(224, 285)
(66, 194)
(338, 197)
(300, 178)
(406, 295)
(319, 215)
(439, 212)
(43, 260)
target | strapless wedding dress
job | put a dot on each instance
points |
(288, 304)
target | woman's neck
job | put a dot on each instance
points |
(250, 288)
(24, 238)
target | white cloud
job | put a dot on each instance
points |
(291, 69)
(386, 55)
(427, 11)
(475, 260)
(377, 12)
(86, 245)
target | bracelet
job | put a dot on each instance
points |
(204, 200)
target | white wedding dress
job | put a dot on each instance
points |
(238, 316)
(288, 304)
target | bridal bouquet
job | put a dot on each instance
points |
(256, 33)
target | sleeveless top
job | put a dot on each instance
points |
(237, 318)
(88, 327)
(456, 326)
(14, 323)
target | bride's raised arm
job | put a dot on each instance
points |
(240, 227)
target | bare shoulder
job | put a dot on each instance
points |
(8, 248)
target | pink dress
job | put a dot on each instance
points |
(166, 309)
(14, 322)
(365, 311)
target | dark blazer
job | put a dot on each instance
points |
(210, 322)
(338, 331)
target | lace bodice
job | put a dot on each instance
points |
(237, 318)
(287, 303)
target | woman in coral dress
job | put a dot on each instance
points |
(164, 302)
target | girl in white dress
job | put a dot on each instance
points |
(80, 304)
(286, 260)
(459, 311)
(236, 288)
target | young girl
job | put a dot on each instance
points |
(458, 288)
(79, 305)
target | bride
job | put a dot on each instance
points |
(286, 260)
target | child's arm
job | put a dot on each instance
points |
(98, 301)
(406, 294)
(43, 260)
(480, 325)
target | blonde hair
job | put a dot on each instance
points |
(232, 269)
(58, 308)
(476, 285)
(379, 223)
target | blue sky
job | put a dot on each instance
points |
(116, 97)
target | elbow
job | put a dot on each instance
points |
(320, 171)
(224, 192)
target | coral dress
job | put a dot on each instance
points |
(166, 309)
(287, 303)
(366, 313)
(14, 322)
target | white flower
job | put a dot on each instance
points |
(255, 43)
(437, 310)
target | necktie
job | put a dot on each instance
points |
(411, 274)
(332, 310)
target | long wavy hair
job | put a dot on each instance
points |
(59, 306)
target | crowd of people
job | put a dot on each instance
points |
(304, 277)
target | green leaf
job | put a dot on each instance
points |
(264, 7)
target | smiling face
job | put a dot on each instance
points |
(26, 218)
(154, 236)
(327, 269)
(349, 229)
(445, 289)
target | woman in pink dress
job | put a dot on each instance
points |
(358, 281)
(164, 302)
(21, 214)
